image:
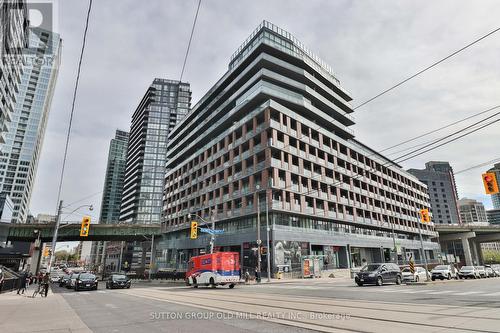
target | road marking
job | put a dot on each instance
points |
(101, 291)
(493, 294)
(468, 293)
(111, 306)
(84, 293)
(442, 292)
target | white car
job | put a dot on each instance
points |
(444, 272)
(419, 275)
(467, 272)
(481, 271)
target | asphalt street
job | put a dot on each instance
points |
(325, 305)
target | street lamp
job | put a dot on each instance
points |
(56, 229)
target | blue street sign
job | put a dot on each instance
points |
(210, 231)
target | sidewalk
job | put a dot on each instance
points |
(20, 313)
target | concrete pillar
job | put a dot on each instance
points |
(467, 252)
(479, 253)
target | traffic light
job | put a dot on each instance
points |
(194, 230)
(425, 217)
(84, 229)
(490, 183)
(46, 251)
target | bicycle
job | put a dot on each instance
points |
(39, 290)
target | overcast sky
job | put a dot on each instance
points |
(370, 45)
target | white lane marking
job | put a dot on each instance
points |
(442, 292)
(101, 291)
(492, 294)
(84, 293)
(111, 306)
(391, 290)
(469, 293)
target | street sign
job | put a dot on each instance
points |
(212, 232)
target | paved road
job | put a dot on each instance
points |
(301, 306)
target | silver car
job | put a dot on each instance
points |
(481, 271)
(419, 275)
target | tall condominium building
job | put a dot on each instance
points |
(472, 211)
(493, 216)
(440, 181)
(273, 136)
(113, 182)
(21, 151)
(495, 198)
(161, 108)
(13, 41)
(165, 103)
(113, 187)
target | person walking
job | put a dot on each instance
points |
(247, 276)
(22, 283)
(45, 284)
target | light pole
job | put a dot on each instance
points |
(268, 253)
(56, 229)
(259, 241)
(423, 252)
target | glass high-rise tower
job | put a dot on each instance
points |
(164, 104)
(20, 153)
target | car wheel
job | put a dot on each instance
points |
(380, 281)
(433, 278)
(212, 283)
(359, 284)
(128, 287)
(398, 280)
(417, 278)
(231, 286)
(76, 288)
(448, 277)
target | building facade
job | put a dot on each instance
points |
(440, 181)
(493, 216)
(472, 211)
(271, 143)
(22, 148)
(13, 41)
(113, 189)
(165, 103)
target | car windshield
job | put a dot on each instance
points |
(87, 276)
(119, 277)
(370, 268)
(467, 268)
(441, 267)
(406, 270)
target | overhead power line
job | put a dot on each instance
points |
(426, 69)
(478, 166)
(75, 92)
(190, 39)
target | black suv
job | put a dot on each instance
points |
(86, 281)
(118, 281)
(379, 274)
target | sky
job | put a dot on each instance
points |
(371, 45)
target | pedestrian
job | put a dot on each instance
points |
(22, 283)
(257, 275)
(247, 276)
(45, 284)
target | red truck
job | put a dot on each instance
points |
(216, 269)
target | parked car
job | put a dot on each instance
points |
(118, 281)
(468, 272)
(419, 275)
(72, 279)
(379, 274)
(444, 272)
(481, 271)
(63, 280)
(86, 281)
(495, 272)
(489, 271)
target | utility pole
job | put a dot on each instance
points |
(212, 236)
(259, 241)
(423, 252)
(54, 237)
(121, 257)
(394, 243)
(151, 259)
(268, 252)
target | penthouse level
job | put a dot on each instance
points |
(273, 135)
